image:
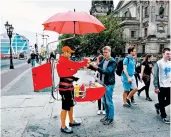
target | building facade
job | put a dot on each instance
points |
(101, 7)
(19, 44)
(145, 24)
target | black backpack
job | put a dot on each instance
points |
(138, 69)
(120, 67)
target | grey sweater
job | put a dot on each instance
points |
(162, 74)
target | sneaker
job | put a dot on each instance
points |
(103, 119)
(133, 102)
(104, 112)
(66, 130)
(149, 99)
(166, 121)
(74, 124)
(98, 112)
(157, 109)
(126, 105)
(108, 122)
(128, 102)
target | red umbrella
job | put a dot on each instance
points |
(73, 23)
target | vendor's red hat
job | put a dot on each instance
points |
(67, 49)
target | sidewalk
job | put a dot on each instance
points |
(34, 116)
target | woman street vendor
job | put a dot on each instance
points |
(66, 69)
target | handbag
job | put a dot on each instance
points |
(29, 60)
(140, 85)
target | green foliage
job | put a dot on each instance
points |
(90, 44)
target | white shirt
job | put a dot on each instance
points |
(164, 73)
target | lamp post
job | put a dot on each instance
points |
(45, 37)
(10, 29)
(47, 50)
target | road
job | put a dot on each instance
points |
(6, 62)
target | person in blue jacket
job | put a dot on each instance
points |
(107, 68)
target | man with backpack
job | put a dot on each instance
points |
(127, 76)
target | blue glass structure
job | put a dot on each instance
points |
(19, 44)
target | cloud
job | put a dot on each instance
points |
(27, 18)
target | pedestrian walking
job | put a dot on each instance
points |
(107, 68)
(127, 76)
(137, 77)
(146, 71)
(66, 69)
(33, 58)
(162, 84)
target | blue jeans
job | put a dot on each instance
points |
(108, 102)
(33, 62)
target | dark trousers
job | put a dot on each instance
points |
(137, 77)
(147, 86)
(99, 104)
(164, 100)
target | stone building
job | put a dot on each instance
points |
(145, 24)
(101, 7)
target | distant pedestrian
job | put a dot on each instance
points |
(40, 58)
(146, 71)
(33, 58)
(52, 55)
(127, 76)
(46, 56)
(162, 84)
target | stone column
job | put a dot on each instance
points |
(141, 16)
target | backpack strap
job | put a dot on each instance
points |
(128, 59)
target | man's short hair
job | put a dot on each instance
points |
(131, 49)
(107, 48)
(166, 49)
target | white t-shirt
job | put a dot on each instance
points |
(164, 73)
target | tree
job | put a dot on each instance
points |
(89, 44)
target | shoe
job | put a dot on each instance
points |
(108, 122)
(166, 121)
(66, 130)
(149, 99)
(74, 124)
(103, 119)
(126, 105)
(133, 102)
(138, 93)
(98, 112)
(103, 112)
(157, 109)
(128, 102)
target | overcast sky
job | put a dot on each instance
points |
(26, 16)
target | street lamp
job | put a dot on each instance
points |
(10, 29)
(46, 37)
